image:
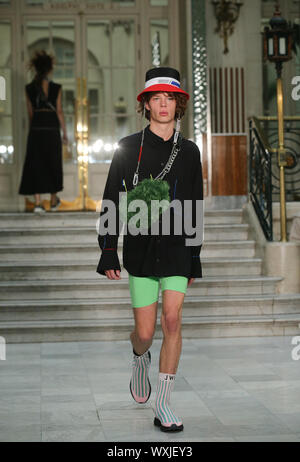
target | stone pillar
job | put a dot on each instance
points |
(283, 259)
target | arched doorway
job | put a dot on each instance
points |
(108, 43)
(98, 69)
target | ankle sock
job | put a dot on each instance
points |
(139, 380)
(162, 401)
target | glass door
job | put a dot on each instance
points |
(96, 66)
(6, 119)
(110, 67)
(58, 37)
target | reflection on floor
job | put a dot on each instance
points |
(226, 389)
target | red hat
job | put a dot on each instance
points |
(162, 79)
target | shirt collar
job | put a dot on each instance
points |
(158, 139)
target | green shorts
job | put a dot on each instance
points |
(145, 290)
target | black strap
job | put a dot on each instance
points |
(41, 96)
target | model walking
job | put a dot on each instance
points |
(154, 261)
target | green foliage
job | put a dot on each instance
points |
(147, 190)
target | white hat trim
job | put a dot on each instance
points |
(162, 80)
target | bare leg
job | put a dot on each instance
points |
(53, 199)
(139, 346)
(145, 323)
(168, 361)
(171, 326)
(37, 199)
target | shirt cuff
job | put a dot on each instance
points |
(196, 271)
(109, 260)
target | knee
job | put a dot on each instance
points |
(171, 322)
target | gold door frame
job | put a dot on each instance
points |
(83, 201)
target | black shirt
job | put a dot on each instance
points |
(153, 255)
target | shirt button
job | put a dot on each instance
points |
(157, 259)
(162, 164)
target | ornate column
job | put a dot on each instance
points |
(199, 53)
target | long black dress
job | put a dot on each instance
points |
(43, 171)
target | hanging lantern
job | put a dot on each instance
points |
(278, 39)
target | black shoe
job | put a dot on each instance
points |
(171, 428)
(56, 206)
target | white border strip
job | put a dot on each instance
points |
(163, 80)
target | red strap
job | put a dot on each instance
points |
(141, 148)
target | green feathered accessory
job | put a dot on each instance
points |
(146, 190)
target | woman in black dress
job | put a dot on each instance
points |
(42, 171)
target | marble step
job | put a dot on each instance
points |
(120, 329)
(102, 287)
(52, 252)
(83, 270)
(114, 308)
(88, 234)
(56, 219)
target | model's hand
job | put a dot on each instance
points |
(191, 280)
(65, 139)
(113, 274)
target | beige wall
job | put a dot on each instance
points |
(245, 50)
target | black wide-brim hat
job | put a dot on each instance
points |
(162, 79)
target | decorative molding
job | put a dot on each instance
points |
(199, 51)
(156, 54)
(227, 100)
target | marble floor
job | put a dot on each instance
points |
(226, 389)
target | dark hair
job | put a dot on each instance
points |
(42, 62)
(181, 103)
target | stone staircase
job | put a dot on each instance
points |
(50, 291)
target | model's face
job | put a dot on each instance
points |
(162, 107)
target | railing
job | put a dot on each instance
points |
(292, 146)
(264, 172)
(260, 170)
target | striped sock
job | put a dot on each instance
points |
(162, 409)
(140, 385)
